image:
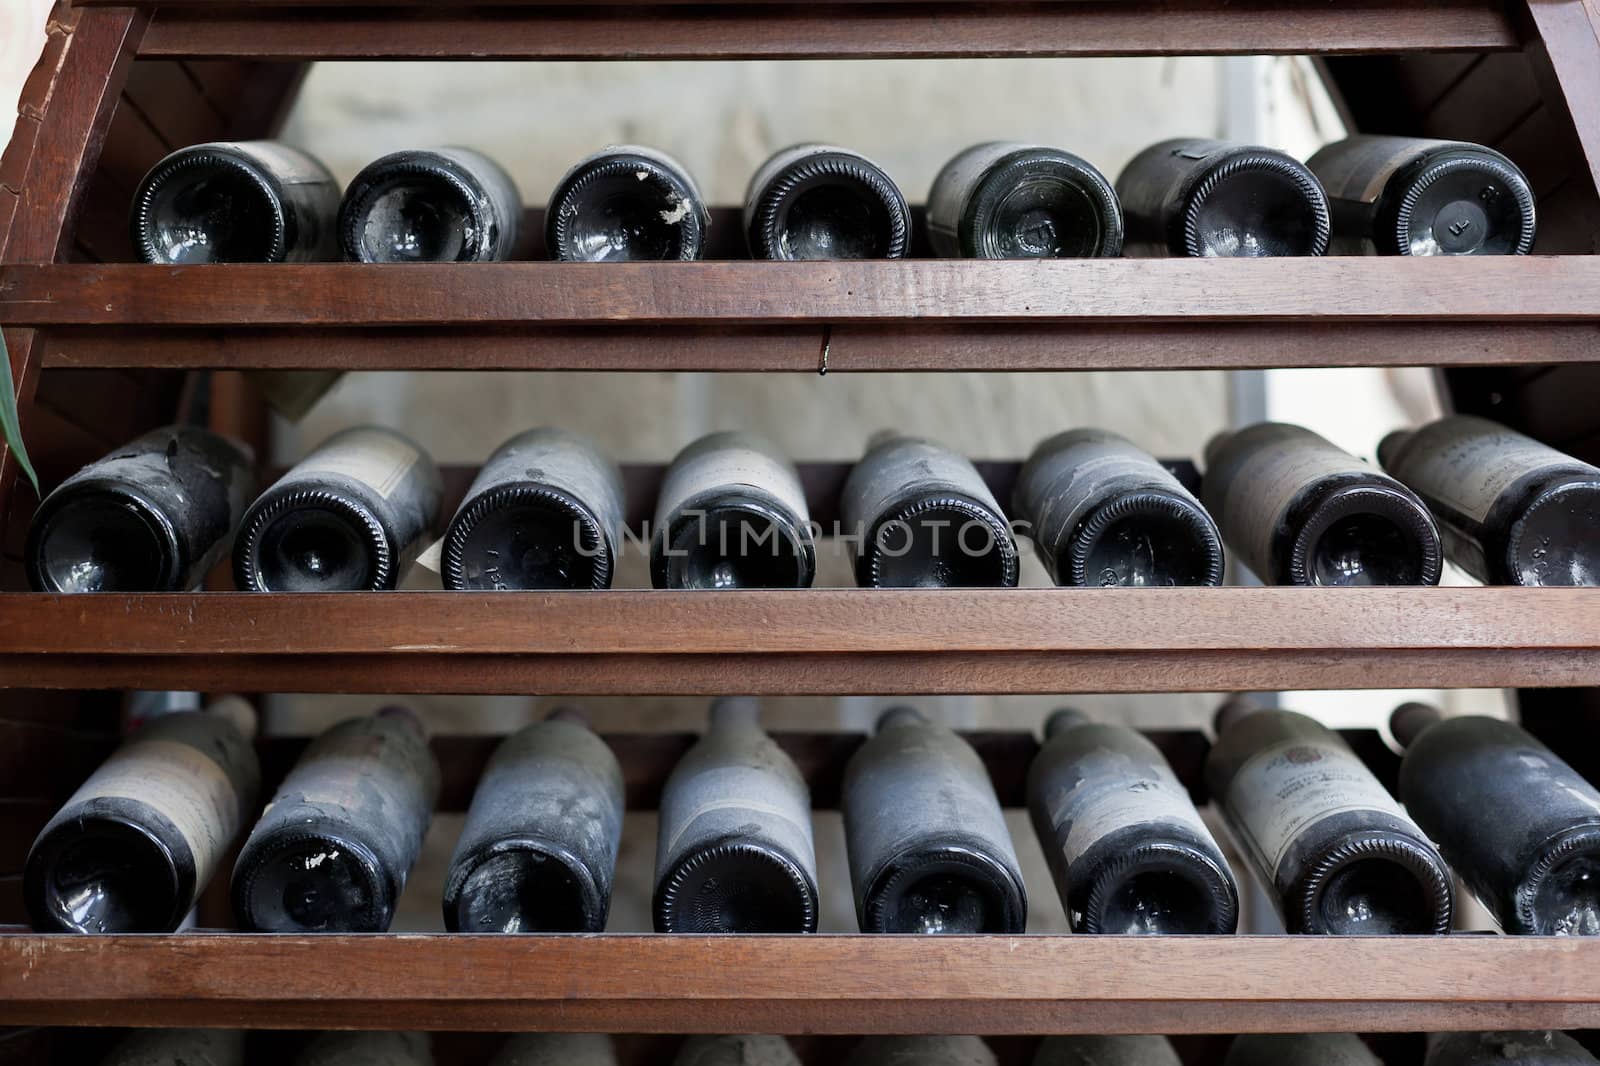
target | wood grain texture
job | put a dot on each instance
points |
(816, 641)
(829, 30)
(1566, 57)
(1131, 291)
(805, 984)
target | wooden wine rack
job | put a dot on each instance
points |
(101, 349)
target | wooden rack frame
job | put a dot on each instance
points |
(98, 349)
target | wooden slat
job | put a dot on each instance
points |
(816, 641)
(1566, 56)
(1128, 291)
(830, 30)
(820, 984)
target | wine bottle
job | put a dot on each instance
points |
(1124, 842)
(626, 204)
(734, 852)
(178, 1047)
(920, 1051)
(545, 512)
(1301, 1049)
(928, 845)
(732, 514)
(439, 205)
(736, 1050)
(1198, 197)
(1411, 196)
(1297, 510)
(557, 1049)
(132, 849)
(1513, 511)
(348, 517)
(153, 516)
(1104, 512)
(815, 201)
(1106, 1051)
(334, 847)
(1015, 201)
(236, 202)
(538, 851)
(1520, 826)
(1338, 853)
(1540, 1048)
(367, 1049)
(921, 516)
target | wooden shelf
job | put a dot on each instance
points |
(821, 641)
(813, 984)
(830, 316)
(411, 30)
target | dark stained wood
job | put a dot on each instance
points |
(1134, 291)
(814, 984)
(823, 30)
(1566, 55)
(835, 642)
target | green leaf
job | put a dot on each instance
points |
(10, 423)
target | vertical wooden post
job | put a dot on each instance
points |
(1564, 46)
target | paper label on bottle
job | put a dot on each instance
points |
(719, 468)
(179, 782)
(373, 457)
(1285, 787)
(349, 770)
(1469, 469)
(1120, 792)
(1266, 483)
(739, 789)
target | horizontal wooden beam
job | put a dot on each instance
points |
(839, 641)
(826, 30)
(804, 984)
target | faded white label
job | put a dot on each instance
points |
(1283, 788)
(1266, 483)
(1470, 463)
(371, 456)
(1120, 792)
(733, 466)
(183, 785)
(735, 788)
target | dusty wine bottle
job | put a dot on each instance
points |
(1338, 853)
(367, 1049)
(626, 204)
(1513, 511)
(921, 516)
(920, 1051)
(928, 845)
(815, 201)
(557, 1049)
(1539, 1048)
(153, 516)
(1297, 510)
(1197, 197)
(138, 841)
(1123, 840)
(439, 205)
(734, 852)
(236, 202)
(736, 1050)
(1016, 201)
(1520, 826)
(1106, 1051)
(539, 847)
(1104, 512)
(1411, 196)
(178, 1047)
(348, 517)
(545, 512)
(732, 514)
(1301, 1049)
(334, 847)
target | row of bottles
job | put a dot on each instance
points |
(266, 202)
(546, 511)
(928, 848)
(222, 1047)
